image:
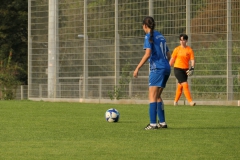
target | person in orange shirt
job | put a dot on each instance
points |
(180, 59)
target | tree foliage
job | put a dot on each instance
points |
(9, 81)
(13, 34)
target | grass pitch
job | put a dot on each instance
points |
(71, 131)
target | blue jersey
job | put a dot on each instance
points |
(159, 49)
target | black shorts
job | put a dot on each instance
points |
(180, 74)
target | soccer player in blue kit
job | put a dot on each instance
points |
(158, 55)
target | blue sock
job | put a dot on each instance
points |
(160, 112)
(153, 112)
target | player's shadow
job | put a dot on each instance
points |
(205, 128)
(127, 121)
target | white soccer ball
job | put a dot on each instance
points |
(112, 115)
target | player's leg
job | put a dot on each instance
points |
(187, 93)
(181, 76)
(152, 108)
(153, 105)
(160, 104)
(153, 78)
(178, 94)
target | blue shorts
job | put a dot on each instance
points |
(158, 78)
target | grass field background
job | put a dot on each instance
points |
(70, 131)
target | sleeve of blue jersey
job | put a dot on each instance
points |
(146, 43)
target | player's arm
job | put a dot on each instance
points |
(143, 60)
(172, 61)
(192, 59)
(173, 57)
(192, 63)
(191, 69)
(168, 56)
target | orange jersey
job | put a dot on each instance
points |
(182, 57)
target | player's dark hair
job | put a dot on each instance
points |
(185, 37)
(149, 21)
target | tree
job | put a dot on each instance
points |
(13, 35)
(9, 78)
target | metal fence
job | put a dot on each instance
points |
(87, 49)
